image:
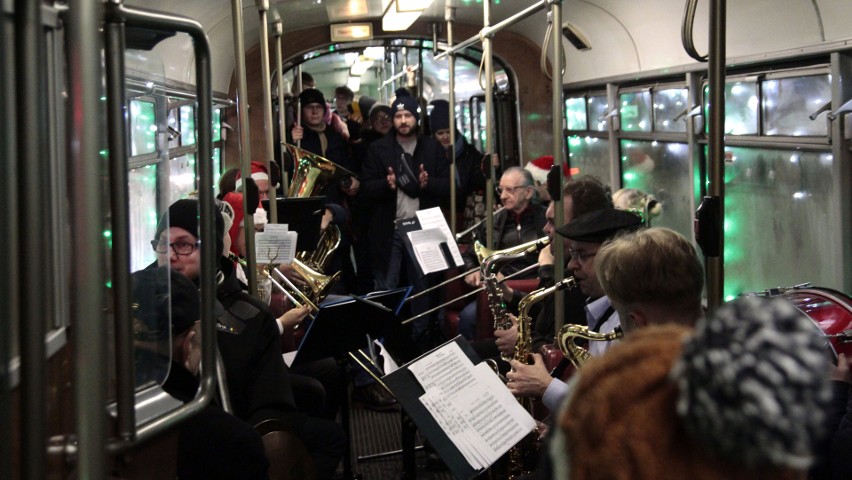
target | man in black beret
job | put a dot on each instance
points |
(585, 234)
(212, 443)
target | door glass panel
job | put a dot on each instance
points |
(670, 108)
(598, 109)
(575, 113)
(181, 177)
(143, 127)
(740, 108)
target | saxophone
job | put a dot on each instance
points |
(575, 353)
(523, 353)
(489, 269)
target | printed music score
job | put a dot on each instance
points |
(432, 243)
(275, 244)
(471, 405)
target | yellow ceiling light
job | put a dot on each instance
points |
(397, 19)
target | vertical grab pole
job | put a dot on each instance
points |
(488, 58)
(450, 16)
(87, 263)
(715, 271)
(298, 107)
(263, 9)
(114, 29)
(30, 84)
(278, 31)
(245, 138)
(558, 110)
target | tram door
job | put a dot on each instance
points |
(505, 126)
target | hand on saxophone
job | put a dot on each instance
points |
(507, 338)
(528, 380)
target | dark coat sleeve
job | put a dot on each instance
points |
(374, 173)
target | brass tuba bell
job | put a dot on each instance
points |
(318, 284)
(312, 174)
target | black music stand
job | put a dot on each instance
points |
(302, 215)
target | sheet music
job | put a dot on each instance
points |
(276, 244)
(433, 218)
(471, 405)
(427, 248)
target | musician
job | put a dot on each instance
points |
(739, 397)
(211, 443)
(403, 172)
(521, 221)
(585, 236)
(259, 382)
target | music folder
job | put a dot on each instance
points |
(342, 327)
(429, 241)
(302, 215)
(460, 406)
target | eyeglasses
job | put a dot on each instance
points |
(180, 248)
(510, 190)
(381, 118)
(580, 257)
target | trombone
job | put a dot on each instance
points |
(473, 227)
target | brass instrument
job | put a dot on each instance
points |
(312, 174)
(483, 253)
(318, 284)
(291, 291)
(320, 258)
(575, 353)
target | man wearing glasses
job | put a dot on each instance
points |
(521, 220)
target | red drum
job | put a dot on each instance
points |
(830, 309)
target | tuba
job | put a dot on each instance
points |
(575, 353)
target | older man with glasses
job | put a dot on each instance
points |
(521, 220)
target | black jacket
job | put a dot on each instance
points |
(510, 231)
(382, 154)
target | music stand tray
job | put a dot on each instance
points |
(302, 215)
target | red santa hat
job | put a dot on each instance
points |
(258, 172)
(539, 168)
(235, 200)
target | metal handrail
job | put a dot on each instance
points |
(148, 19)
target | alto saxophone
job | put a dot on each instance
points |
(575, 353)
(523, 353)
(494, 292)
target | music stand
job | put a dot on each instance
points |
(302, 215)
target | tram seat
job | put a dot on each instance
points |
(288, 459)
(484, 319)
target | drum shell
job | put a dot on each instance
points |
(829, 309)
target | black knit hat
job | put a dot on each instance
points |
(160, 295)
(600, 225)
(311, 95)
(407, 103)
(184, 214)
(439, 117)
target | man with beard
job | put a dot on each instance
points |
(403, 173)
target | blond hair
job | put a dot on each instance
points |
(653, 266)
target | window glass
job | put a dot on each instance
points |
(589, 156)
(187, 125)
(181, 177)
(635, 111)
(143, 128)
(174, 129)
(670, 108)
(142, 183)
(740, 108)
(662, 170)
(788, 102)
(217, 124)
(217, 167)
(575, 113)
(781, 217)
(598, 109)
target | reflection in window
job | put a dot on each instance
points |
(781, 217)
(635, 112)
(589, 156)
(740, 108)
(187, 125)
(181, 177)
(661, 169)
(575, 113)
(598, 110)
(788, 102)
(174, 129)
(670, 108)
(217, 166)
(142, 183)
(143, 128)
(217, 124)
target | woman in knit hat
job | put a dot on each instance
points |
(742, 396)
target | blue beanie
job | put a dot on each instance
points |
(407, 103)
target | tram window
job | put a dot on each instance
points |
(740, 107)
(787, 103)
(217, 167)
(181, 177)
(661, 169)
(174, 128)
(143, 127)
(670, 107)
(635, 111)
(589, 156)
(575, 113)
(598, 109)
(142, 183)
(780, 220)
(187, 125)
(217, 127)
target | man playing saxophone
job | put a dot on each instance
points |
(585, 236)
